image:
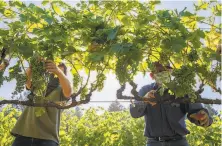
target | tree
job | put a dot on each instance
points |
(115, 106)
(119, 37)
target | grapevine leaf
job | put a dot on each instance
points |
(178, 44)
(48, 19)
(26, 50)
(45, 2)
(151, 18)
(201, 33)
(116, 48)
(95, 57)
(56, 9)
(186, 14)
(112, 33)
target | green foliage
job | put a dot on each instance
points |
(208, 137)
(107, 129)
(16, 72)
(118, 35)
(8, 118)
(184, 82)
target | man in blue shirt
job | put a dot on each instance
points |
(165, 123)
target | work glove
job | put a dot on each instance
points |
(201, 118)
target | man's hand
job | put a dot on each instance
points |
(29, 78)
(51, 67)
(201, 117)
(148, 96)
(2, 67)
(29, 71)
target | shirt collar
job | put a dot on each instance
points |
(155, 86)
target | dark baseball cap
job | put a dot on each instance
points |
(158, 64)
(158, 67)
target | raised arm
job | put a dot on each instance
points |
(29, 77)
(64, 82)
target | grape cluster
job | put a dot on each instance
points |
(83, 93)
(193, 56)
(39, 77)
(184, 81)
(15, 72)
(100, 81)
(121, 70)
(76, 81)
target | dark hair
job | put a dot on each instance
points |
(64, 66)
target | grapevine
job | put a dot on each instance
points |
(131, 34)
(183, 82)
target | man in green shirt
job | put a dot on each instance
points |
(31, 130)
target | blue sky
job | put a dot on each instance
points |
(108, 94)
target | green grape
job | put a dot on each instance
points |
(20, 82)
(39, 83)
(193, 56)
(193, 96)
(184, 81)
(121, 70)
(39, 77)
(76, 81)
(15, 72)
(100, 81)
(125, 69)
(83, 93)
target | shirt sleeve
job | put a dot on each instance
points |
(138, 109)
(63, 98)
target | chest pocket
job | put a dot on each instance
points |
(183, 107)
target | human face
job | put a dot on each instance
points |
(162, 75)
(62, 68)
